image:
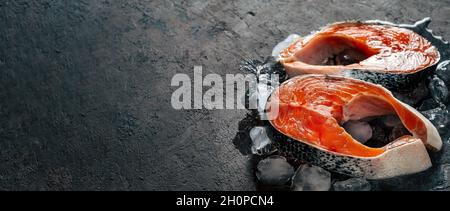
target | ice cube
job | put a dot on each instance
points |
(284, 44)
(413, 97)
(442, 178)
(260, 140)
(258, 97)
(353, 184)
(443, 71)
(252, 99)
(311, 178)
(359, 130)
(428, 104)
(440, 117)
(269, 79)
(438, 89)
(274, 170)
(264, 92)
(391, 120)
(443, 156)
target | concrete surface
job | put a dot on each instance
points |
(85, 86)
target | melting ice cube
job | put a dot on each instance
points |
(311, 178)
(260, 140)
(353, 184)
(274, 170)
(359, 130)
(440, 118)
(438, 89)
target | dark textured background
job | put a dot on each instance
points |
(85, 86)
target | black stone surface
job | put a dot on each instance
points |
(85, 86)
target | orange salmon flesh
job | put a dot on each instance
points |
(371, 47)
(312, 109)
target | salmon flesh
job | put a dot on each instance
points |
(312, 109)
(387, 55)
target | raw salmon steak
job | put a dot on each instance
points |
(312, 109)
(387, 55)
